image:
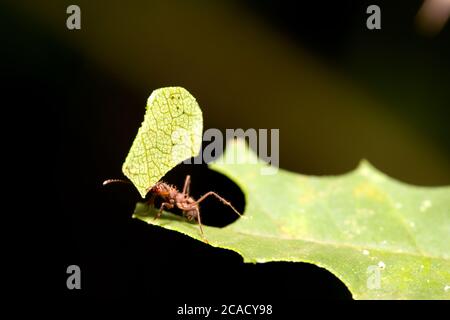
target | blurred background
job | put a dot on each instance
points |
(337, 91)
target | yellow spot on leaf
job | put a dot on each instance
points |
(368, 191)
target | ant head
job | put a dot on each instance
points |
(161, 189)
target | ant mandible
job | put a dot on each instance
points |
(172, 197)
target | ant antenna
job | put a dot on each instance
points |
(114, 181)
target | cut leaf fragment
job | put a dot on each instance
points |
(384, 239)
(170, 133)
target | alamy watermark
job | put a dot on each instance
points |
(257, 140)
(374, 275)
(74, 279)
(73, 21)
(373, 22)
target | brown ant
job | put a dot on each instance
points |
(171, 197)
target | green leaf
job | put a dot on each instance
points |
(170, 133)
(359, 226)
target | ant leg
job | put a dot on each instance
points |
(166, 205)
(212, 193)
(199, 220)
(187, 183)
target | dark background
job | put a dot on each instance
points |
(337, 91)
